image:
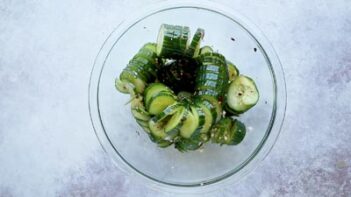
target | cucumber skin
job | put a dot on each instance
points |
(228, 131)
(174, 41)
(194, 48)
(142, 67)
(213, 68)
(233, 71)
(184, 145)
(238, 131)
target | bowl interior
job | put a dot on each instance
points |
(212, 162)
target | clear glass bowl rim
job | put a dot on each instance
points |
(279, 104)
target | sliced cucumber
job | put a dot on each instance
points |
(237, 133)
(153, 89)
(190, 123)
(140, 114)
(169, 110)
(166, 125)
(143, 123)
(131, 78)
(159, 141)
(157, 129)
(159, 102)
(213, 71)
(206, 49)
(123, 86)
(215, 103)
(194, 48)
(150, 46)
(228, 131)
(220, 131)
(140, 70)
(242, 94)
(233, 71)
(174, 124)
(172, 40)
(183, 95)
(184, 145)
(208, 118)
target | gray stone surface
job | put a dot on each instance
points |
(47, 144)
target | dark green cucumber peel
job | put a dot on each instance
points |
(139, 71)
(184, 145)
(228, 131)
(194, 49)
(172, 40)
(213, 68)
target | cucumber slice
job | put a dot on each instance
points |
(197, 111)
(206, 49)
(159, 102)
(157, 129)
(153, 89)
(159, 141)
(208, 118)
(215, 103)
(140, 70)
(123, 86)
(183, 95)
(174, 124)
(233, 71)
(169, 110)
(184, 145)
(220, 131)
(190, 123)
(242, 94)
(172, 40)
(143, 123)
(140, 114)
(237, 133)
(212, 75)
(126, 76)
(150, 46)
(194, 48)
(228, 131)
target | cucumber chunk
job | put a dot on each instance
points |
(172, 40)
(153, 89)
(206, 49)
(194, 48)
(159, 102)
(233, 71)
(242, 94)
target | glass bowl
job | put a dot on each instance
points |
(212, 166)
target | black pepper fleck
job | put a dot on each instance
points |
(255, 49)
(233, 39)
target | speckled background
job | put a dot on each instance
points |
(47, 143)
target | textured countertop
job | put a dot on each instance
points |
(47, 143)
